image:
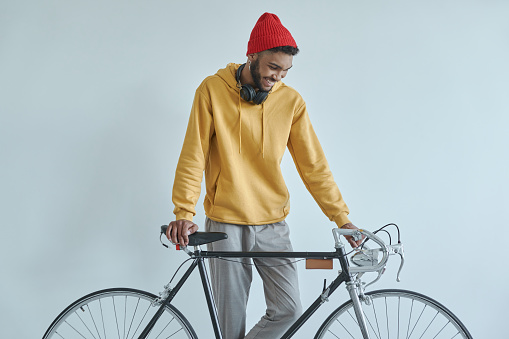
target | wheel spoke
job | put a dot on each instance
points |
(125, 313)
(418, 319)
(441, 330)
(376, 318)
(76, 330)
(427, 327)
(93, 320)
(85, 325)
(345, 329)
(168, 324)
(141, 321)
(102, 318)
(132, 319)
(116, 318)
(387, 319)
(410, 319)
(369, 322)
(399, 309)
(177, 331)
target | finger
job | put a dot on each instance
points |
(350, 240)
(168, 229)
(180, 233)
(359, 242)
(174, 234)
(193, 229)
(183, 239)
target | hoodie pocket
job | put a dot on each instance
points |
(216, 188)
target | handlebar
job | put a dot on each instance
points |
(386, 250)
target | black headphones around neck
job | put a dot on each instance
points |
(248, 93)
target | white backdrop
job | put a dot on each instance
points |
(409, 99)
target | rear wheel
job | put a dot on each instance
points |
(395, 314)
(117, 313)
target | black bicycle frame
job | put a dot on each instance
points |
(199, 260)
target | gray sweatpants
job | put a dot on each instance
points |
(231, 281)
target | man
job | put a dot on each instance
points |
(242, 120)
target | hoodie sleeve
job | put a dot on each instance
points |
(193, 157)
(313, 168)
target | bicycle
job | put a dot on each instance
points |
(130, 313)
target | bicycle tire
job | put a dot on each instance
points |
(117, 313)
(395, 314)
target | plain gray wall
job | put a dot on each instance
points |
(409, 99)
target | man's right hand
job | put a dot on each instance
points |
(179, 230)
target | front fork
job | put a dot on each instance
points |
(354, 287)
(354, 295)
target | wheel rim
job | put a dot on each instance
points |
(395, 314)
(121, 314)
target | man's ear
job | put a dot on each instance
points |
(252, 57)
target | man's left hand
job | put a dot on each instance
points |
(348, 238)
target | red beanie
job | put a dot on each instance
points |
(269, 33)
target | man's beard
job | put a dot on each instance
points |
(254, 68)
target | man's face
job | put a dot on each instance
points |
(267, 68)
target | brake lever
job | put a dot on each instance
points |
(398, 249)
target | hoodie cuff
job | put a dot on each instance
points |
(184, 215)
(341, 219)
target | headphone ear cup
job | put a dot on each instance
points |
(260, 97)
(247, 92)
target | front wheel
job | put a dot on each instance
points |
(395, 314)
(117, 313)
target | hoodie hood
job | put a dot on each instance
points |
(228, 75)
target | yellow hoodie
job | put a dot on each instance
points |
(240, 146)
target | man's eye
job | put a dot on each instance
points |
(272, 68)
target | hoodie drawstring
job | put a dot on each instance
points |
(263, 130)
(240, 125)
